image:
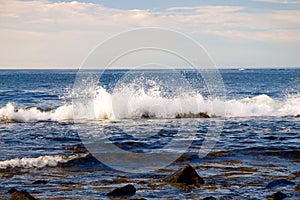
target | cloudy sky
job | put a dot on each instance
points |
(236, 33)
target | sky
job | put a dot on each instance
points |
(235, 33)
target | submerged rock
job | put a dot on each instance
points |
(20, 195)
(279, 182)
(209, 198)
(7, 175)
(127, 190)
(277, 196)
(186, 176)
(38, 182)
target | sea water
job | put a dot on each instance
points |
(41, 127)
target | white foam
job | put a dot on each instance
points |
(127, 103)
(10, 113)
(39, 162)
(263, 105)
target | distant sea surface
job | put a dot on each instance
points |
(259, 141)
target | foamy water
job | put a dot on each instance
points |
(125, 104)
(39, 162)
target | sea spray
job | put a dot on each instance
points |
(129, 104)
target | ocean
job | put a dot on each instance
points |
(139, 126)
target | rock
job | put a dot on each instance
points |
(127, 190)
(21, 195)
(209, 198)
(277, 196)
(192, 115)
(38, 182)
(145, 115)
(187, 176)
(297, 188)
(203, 115)
(279, 182)
(7, 175)
(12, 190)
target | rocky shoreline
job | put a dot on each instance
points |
(185, 179)
(221, 175)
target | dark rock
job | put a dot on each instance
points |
(203, 115)
(40, 182)
(178, 116)
(7, 174)
(147, 115)
(10, 191)
(297, 188)
(192, 115)
(277, 196)
(186, 175)
(209, 198)
(21, 195)
(127, 190)
(279, 182)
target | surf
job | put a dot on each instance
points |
(128, 103)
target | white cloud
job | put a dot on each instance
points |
(41, 32)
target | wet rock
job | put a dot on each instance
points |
(20, 195)
(203, 115)
(279, 182)
(297, 188)
(277, 196)
(209, 198)
(187, 176)
(39, 182)
(7, 174)
(147, 115)
(10, 191)
(127, 190)
(192, 115)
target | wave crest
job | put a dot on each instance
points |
(125, 104)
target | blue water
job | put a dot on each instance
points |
(259, 141)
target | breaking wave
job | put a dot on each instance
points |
(125, 104)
